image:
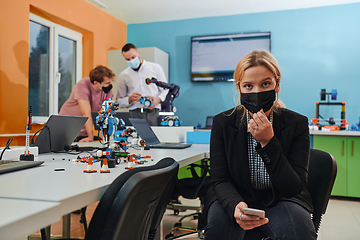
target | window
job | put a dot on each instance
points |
(55, 64)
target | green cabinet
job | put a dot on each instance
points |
(346, 151)
(353, 170)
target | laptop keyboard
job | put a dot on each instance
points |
(11, 166)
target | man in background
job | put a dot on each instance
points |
(131, 85)
(88, 96)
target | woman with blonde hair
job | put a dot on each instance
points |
(259, 159)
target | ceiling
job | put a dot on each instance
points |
(142, 11)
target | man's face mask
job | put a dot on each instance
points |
(107, 89)
(134, 64)
(254, 102)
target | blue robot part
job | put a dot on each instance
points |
(126, 134)
(171, 121)
(146, 101)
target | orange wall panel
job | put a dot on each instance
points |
(101, 32)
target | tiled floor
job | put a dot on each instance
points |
(341, 221)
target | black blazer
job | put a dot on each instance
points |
(286, 159)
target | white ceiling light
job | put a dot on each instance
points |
(97, 2)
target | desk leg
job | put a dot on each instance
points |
(66, 226)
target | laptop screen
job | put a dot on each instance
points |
(145, 131)
(209, 121)
(59, 131)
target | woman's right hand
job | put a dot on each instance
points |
(247, 222)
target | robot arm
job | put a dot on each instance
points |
(167, 104)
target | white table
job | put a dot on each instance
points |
(72, 188)
(19, 217)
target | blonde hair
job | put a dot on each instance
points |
(253, 59)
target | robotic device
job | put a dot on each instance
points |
(167, 104)
(107, 121)
(329, 124)
(115, 135)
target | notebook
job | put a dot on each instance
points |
(58, 132)
(144, 130)
(123, 115)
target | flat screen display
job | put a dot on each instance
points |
(214, 58)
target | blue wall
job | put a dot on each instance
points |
(316, 48)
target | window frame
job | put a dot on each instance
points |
(57, 30)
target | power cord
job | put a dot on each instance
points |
(6, 147)
(32, 138)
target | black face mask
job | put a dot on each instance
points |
(254, 102)
(107, 89)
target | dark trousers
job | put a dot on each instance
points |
(150, 115)
(287, 220)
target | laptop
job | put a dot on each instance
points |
(144, 130)
(123, 115)
(58, 132)
(209, 122)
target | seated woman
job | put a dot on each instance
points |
(259, 159)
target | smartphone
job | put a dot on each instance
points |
(254, 212)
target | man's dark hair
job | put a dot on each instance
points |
(127, 47)
(98, 74)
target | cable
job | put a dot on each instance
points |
(6, 147)
(32, 138)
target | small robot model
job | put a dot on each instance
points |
(146, 101)
(107, 121)
(108, 124)
(170, 121)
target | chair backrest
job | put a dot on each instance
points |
(321, 177)
(190, 187)
(130, 204)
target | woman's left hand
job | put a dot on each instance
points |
(261, 128)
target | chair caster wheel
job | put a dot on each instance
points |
(178, 224)
(176, 212)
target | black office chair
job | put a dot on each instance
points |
(321, 177)
(133, 205)
(322, 174)
(191, 188)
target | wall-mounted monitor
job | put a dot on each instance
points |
(214, 58)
